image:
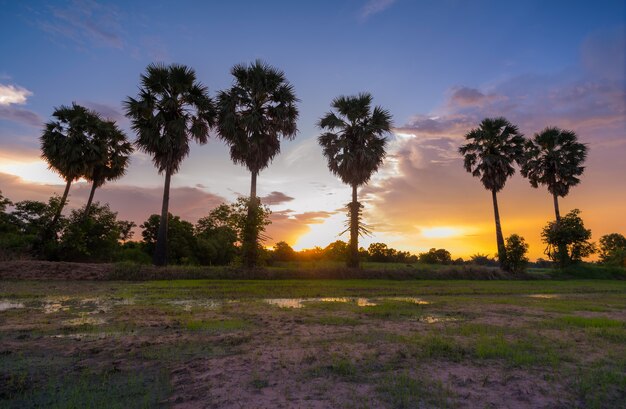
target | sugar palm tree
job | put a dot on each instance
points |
(66, 147)
(172, 109)
(112, 154)
(354, 145)
(253, 115)
(490, 153)
(554, 158)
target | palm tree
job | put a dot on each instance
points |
(172, 109)
(492, 149)
(65, 145)
(112, 152)
(554, 158)
(354, 145)
(253, 115)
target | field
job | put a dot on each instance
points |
(313, 344)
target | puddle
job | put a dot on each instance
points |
(431, 319)
(546, 296)
(55, 304)
(8, 305)
(360, 302)
(84, 319)
(189, 304)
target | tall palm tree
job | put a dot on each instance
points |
(554, 158)
(253, 115)
(172, 109)
(490, 153)
(354, 145)
(112, 154)
(66, 146)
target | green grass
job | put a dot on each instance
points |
(402, 391)
(593, 322)
(603, 385)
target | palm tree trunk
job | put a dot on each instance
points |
(88, 206)
(556, 208)
(57, 215)
(160, 251)
(353, 255)
(499, 236)
(250, 233)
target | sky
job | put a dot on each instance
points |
(439, 67)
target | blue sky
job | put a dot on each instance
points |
(444, 62)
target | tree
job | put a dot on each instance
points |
(567, 240)
(337, 251)
(253, 115)
(378, 252)
(613, 249)
(354, 145)
(66, 146)
(490, 153)
(283, 252)
(554, 158)
(516, 249)
(436, 256)
(172, 109)
(182, 247)
(112, 152)
(216, 235)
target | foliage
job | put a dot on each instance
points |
(282, 251)
(435, 256)
(613, 249)
(216, 236)
(337, 250)
(181, 246)
(516, 250)
(554, 158)
(483, 260)
(94, 237)
(567, 240)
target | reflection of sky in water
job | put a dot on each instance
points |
(543, 296)
(360, 302)
(7, 305)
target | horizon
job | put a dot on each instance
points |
(546, 67)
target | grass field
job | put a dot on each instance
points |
(313, 343)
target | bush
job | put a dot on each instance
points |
(613, 249)
(568, 239)
(435, 256)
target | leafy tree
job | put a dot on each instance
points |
(554, 158)
(436, 256)
(95, 237)
(66, 146)
(354, 145)
(516, 250)
(182, 247)
(111, 156)
(613, 249)
(253, 115)
(378, 252)
(490, 153)
(172, 109)
(567, 239)
(482, 260)
(6, 221)
(32, 217)
(217, 235)
(337, 251)
(283, 252)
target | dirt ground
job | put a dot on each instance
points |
(209, 344)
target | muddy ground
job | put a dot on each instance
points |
(313, 344)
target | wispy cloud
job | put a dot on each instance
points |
(85, 22)
(374, 7)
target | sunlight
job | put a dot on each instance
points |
(323, 233)
(35, 172)
(441, 232)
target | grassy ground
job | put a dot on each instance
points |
(313, 343)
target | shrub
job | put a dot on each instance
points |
(516, 249)
(567, 239)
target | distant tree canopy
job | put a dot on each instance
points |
(567, 240)
(436, 256)
(613, 249)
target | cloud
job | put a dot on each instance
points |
(467, 97)
(13, 94)
(290, 226)
(374, 7)
(85, 22)
(23, 116)
(107, 111)
(276, 198)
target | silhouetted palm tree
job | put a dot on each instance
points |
(554, 158)
(172, 108)
(354, 145)
(111, 151)
(66, 146)
(253, 115)
(492, 150)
